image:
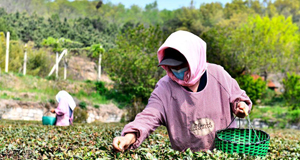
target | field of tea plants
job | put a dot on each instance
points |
(32, 140)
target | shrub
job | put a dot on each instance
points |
(292, 90)
(96, 106)
(52, 77)
(132, 64)
(100, 87)
(52, 101)
(294, 116)
(82, 105)
(254, 88)
(80, 115)
(268, 97)
(137, 107)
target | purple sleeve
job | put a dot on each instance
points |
(62, 107)
(146, 121)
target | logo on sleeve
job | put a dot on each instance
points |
(202, 126)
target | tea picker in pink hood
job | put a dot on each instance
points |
(65, 108)
(193, 101)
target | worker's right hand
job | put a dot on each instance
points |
(52, 110)
(122, 143)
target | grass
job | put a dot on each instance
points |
(13, 86)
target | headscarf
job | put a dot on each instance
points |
(194, 50)
(65, 95)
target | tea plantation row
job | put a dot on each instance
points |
(32, 140)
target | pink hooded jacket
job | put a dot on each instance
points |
(66, 102)
(191, 118)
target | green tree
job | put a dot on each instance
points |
(220, 48)
(266, 45)
(97, 50)
(132, 65)
(211, 14)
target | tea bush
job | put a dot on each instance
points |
(32, 140)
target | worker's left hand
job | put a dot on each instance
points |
(242, 110)
(52, 110)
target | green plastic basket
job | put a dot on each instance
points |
(247, 141)
(47, 120)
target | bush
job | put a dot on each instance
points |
(100, 88)
(254, 88)
(137, 107)
(82, 105)
(268, 97)
(52, 77)
(292, 90)
(293, 116)
(132, 64)
(96, 106)
(80, 115)
(52, 101)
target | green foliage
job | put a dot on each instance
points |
(100, 88)
(271, 98)
(52, 101)
(137, 106)
(266, 44)
(77, 33)
(132, 65)
(32, 140)
(294, 116)
(219, 50)
(255, 44)
(82, 105)
(80, 115)
(38, 62)
(96, 106)
(96, 50)
(59, 44)
(269, 94)
(52, 77)
(274, 116)
(5, 27)
(292, 90)
(254, 88)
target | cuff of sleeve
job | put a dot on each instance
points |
(137, 142)
(235, 104)
(58, 112)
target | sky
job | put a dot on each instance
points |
(165, 4)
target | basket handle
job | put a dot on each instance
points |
(249, 124)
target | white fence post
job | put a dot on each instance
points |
(25, 60)
(7, 52)
(65, 65)
(99, 67)
(56, 64)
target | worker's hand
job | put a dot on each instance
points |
(242, 110)
(122, 143)
(52, 110)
